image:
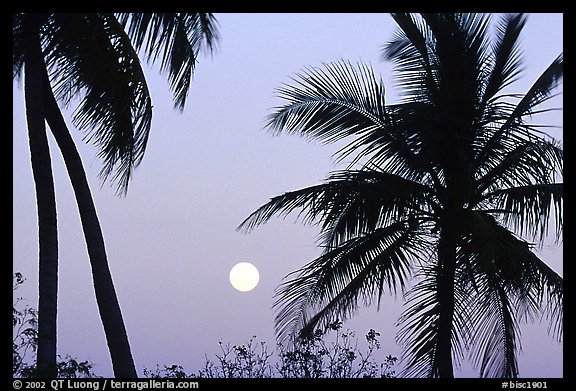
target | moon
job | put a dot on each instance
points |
(244, 276)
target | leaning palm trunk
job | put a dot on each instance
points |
(108, 306)
(46, 204)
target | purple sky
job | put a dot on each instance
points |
(172, 240)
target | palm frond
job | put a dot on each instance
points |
(524, 140)
(348, 204)
(415, 63)
(175, 37)
(283, 205)
(440, 51)
(18, 46)
(497, 337)
(342, 101)
(547, 290)
(404, 147)
(208, 26)
(331, 104)
(336, 283)
(528, 208)
(490, 265)
(540, 91)
(370, 199)
(486, 247)
(524, 162)
(505, 62)
(418, 323)
(505, 280)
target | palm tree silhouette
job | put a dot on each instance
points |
(452, 184)
(94, 57)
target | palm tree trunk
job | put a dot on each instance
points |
(445, 281)
(46, 204)
(108, 306)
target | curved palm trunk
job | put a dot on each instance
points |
(108, 306)
(445, 292)
(46, 205)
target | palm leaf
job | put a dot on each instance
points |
(333, 104)
(371, 199)
(419, 322)
(348, 204)
(528, 208)
(504, 279)
(333, 285)
(175, 37)
(18, 45)
(510, 127)
(418, 334)
(505, 64)
(490, 265)
(414, 58)
(525, 162)
(540, 91)
(548, 291)
(342, 101)
(406, 147)
(497, 338)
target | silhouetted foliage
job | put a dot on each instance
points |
(25, 340)
(24, 334)
(309, 357)
(306, 357)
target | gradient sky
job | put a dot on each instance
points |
(172, 240)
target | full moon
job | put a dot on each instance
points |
(244, 276)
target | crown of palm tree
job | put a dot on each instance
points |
(93, 58)
(452, 180)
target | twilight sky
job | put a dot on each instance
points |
(172, 240)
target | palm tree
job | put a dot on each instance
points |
(453, 191)
(94, 57)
